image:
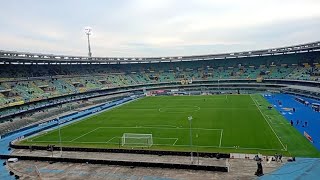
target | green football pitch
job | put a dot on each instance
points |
(220, 123)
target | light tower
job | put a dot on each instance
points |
(59, 136)
(88, 31)
(190, 129)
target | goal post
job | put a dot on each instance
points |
(136, 140)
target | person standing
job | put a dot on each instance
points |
(280, 157)
(259, 171)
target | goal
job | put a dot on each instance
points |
(136, 140)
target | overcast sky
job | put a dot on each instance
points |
(156, 27)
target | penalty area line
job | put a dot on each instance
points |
(221, 133)
(150, 127)
(175, 141)
(112, 139)
(84, 134)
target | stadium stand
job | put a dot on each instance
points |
(26, 87)
(26, 83)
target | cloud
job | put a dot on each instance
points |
(157, 27)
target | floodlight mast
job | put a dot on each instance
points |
(190, 129)
(59, 136)
(88, 31)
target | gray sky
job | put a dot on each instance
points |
(156, 27)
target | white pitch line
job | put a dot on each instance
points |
(153, 126)
(203, 129)
(251, 148)
(268, 122)
(226, 147)
(162, 145)
(84, 134)
(271, 119)
(49, 141)
(221, 137)
(175, 141)
(162, 138)
(245, 108)
(135, 127)
(111, 139)
(92, 142)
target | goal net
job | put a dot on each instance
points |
(136, 140)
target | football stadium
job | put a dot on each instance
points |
(201, 107)
(252, 114)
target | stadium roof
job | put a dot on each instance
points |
(7, 57)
